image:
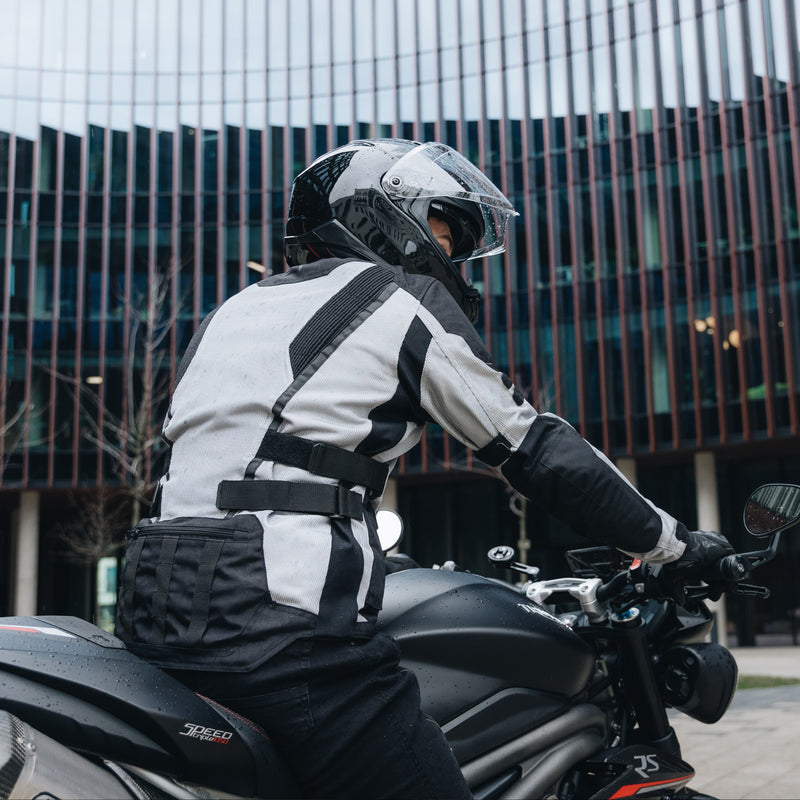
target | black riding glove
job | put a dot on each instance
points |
(703, 550)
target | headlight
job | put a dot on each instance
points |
(699, 680)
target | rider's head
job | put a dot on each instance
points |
(423, 207)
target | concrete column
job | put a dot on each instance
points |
(25, 556)
(705, 476)
(627, 466)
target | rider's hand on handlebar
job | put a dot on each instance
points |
(704, 549)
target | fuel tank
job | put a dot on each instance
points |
(471, 641)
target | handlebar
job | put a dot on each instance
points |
(731, 568)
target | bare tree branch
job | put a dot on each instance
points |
(15, 433)
(96, 527)
(130, 437)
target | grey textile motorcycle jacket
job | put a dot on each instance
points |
(293, 402)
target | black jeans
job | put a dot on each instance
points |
(345, 717)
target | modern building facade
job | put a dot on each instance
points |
(649, 294)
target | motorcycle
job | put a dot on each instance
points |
(553, 689)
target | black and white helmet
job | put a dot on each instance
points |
(372, 198)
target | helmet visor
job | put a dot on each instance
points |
(436, 170)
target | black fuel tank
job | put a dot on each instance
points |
(468, 638)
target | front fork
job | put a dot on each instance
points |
(641, 685)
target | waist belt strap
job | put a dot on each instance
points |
(325, 460)
(306, 498)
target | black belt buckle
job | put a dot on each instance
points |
(347, 503)
(316, 459)
(341, 501)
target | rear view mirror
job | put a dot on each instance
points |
(390, 529)
(771, 508)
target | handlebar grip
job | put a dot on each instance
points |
(731, 568)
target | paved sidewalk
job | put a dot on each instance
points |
(754, 750)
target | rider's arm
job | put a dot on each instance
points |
(540, 455)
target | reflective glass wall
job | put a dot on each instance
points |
(650, 291)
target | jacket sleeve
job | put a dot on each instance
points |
(540, 455)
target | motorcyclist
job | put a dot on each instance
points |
(259, 579)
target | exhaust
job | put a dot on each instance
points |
(34, 765)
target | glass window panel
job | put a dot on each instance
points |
(320, 11)
(9, 37)
(6, 110)
(558, 86)
(491, 38)
(493, 94)
(233, 21)
(365, 103)
(167, 88)
(96, 158)
(581, 83)
(27, 120)
(121, 117)
(77, 48)
(256, 115)
(448, 30)
(167, 34)
(645, 59)
(99, 87)
(469, 17)
(734, 52)
(624, 59)
(51, 82)
(557, 65)
(429, 99)
(757, 44)
(212, 38)
(99, 35)
(146, 19)
(72, 163)
(27, 83)
(97, 114)
(211, 116)
(601, 65)
(515, 97)
(189, 29)
(211, 88)
(713, 64)
(668, 53)
(122, 38)
(277, 113)
(385, 58)
(48, 158)
(538, 90)
(50, 114)
(299, 30)
(30, 35)
(277, 38)
(74, 87)
(534, 12)
(780, 40)
(556, 28)
(450, 100)
(693, 76)
(321, 93)
(143, 90)
(233, 87)
(189, 88)
(145, 114)
(164, 144)
(255, 33)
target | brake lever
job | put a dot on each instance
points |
(749, 590)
